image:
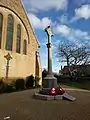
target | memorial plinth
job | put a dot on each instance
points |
(50, 90)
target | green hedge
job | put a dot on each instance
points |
(81, 85)
(67, 78)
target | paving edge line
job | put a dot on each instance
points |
(72, 89)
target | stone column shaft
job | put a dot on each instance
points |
(49, 46)
(49, 81)
(49, 60)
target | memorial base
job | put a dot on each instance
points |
(51, 91)
(49, 81)
(65, 96)
(44, 94)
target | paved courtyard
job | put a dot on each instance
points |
(22, 106)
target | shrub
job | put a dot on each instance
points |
(9, 88)
(2, 87)
(29, 81)
(37, 81)
(20, 84)
(44, 73)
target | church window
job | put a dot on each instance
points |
(9, 36)
(18, 41)
(25, 47)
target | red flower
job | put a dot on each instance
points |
(60, 91)
(57, 91)
(52, 91)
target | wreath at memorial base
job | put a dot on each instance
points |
(56, 91)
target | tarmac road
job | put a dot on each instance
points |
(22, 106)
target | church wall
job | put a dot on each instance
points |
(20, 65)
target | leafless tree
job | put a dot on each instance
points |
(73, 55)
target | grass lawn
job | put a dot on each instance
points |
(85, 85)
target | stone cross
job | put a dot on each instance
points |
(8, 58)
(49, 33)
(49, 81)
(49, 46)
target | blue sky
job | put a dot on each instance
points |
(69, 20)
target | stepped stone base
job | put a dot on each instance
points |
(47, 97)
(43, 97)
(57, 97)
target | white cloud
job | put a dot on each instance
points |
(35, 21)
(82, 12)
(45, 22)
(79, 34)
(62, 29)
(75, 35)
(38, 23)
(46, 4)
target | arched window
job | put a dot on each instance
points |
(1, 22)
(18, 41)
(25, 47)
(9, 37)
